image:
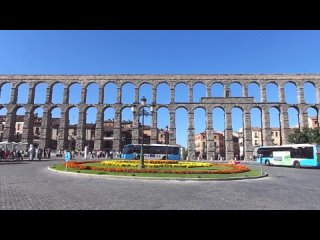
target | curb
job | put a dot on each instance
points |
(153, 178)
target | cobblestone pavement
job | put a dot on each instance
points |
(29, 185)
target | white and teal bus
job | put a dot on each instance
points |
(152, 151)
(296, 155)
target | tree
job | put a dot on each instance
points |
(307, 135)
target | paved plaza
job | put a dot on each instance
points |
(30, 185)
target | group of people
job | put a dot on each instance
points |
(11, 155)
(38, 152)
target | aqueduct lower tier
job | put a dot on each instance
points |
(208, 103)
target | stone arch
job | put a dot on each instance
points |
(90, 121)
(200, 127)
(235, 89)
(57, 89)
(5, 92)
(110, 93)
(256, 126)
(217, 89)
(163, 121)
(290, 92)
(37, 117)
(54, 116)
(181, 113)
(181, 92)
(74, 93)
(163, 93)
(272, 93)
(313, 117)
(72, 118)
(128, 93)
(129, 130)
(23, 93)
(3, 119)
(237, 123)
(108, 118)
(145, 90)
(40, 90)
(293, 117)
(219, 131)
(309, 92)
(254, 91)
(199, 90)
(92, 93)
(19, 121)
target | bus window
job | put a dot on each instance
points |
(307, 152)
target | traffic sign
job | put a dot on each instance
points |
(67, 156)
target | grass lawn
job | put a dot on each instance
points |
(252, 173)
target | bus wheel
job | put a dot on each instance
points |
(296, 164)
(267, 162)
(164, 158)
(137, 157)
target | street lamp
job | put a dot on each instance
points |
(167, 140)
(142, 113)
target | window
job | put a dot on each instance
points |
(255, 134)
(272, 134)
(215, 137)
(255, 142)
(204, 144)
(18, 127)
(276, 134)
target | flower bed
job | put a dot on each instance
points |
(231, 168)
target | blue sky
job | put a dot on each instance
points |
(163, 52)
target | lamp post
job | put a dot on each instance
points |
(142, 113)
(167, 140)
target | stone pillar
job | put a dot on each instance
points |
(172, 130)
(208, 90)
(63, 129)
(226, 91)
(284, 125)
(247, 135)
(317, 86)
(228, 136)
(66, 95)
(9, 127)
(190, 94)
(300, 94)
(263, 93)
(119, 95)
(154, 95)
(14, 93)
(135, 127)
(99, 130)
(172, 95)
(244, 90)
(154, 130)
(191, 139)
(49, 94)
(136, 94)
(281, 94)
(31, 94)
(45, 136)
(101, 95)
(83, 94)
(81, 128)
(211, 153)
(117, 131)
(303, 118)
(266, 131)
(27, 134)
